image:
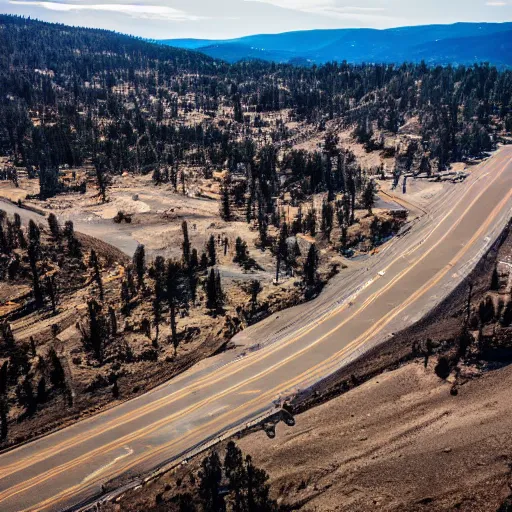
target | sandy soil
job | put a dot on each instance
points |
(398, 442)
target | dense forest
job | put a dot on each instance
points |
(74, 96)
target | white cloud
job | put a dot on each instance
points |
(326, 7)
(497, 4)
(134, 10)
(299, 5)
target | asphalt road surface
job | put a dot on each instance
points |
(296, 348)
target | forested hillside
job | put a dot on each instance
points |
(76, 95)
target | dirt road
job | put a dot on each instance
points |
(296, 348)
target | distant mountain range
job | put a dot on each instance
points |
(460, 43)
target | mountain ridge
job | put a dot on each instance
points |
(459, 43)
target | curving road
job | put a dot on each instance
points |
(361, 307)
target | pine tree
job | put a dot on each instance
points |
(139, 264)
(4, 413)
(212, 255)
(327, 219)
(236, 475)
(225, 210)
(310, 222)
(254, 289)
(112, 320)
(74, 247)
(48, 180)
(102, 179)
(41, 390)
(95, 265)
(194, 260)
(241, 253)
(203, 263)
(57, 375)
(238, 115)
(186, 244)
(34, 250)
(369, 196)
(495, 280)
(311, 267)
(159, 277)
(210, 478)
(173, 297)
(53, 224)
(213, 291)
(97, 334)
(258, 490)
(52, 291)
(262, 227)
(282, 248)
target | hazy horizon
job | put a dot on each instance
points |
(226, 19)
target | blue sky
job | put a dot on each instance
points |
(162, 19)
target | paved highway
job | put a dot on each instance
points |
(296, 349)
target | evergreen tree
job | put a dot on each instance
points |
(327, 219)
(241, 252)
(214, 296)
(34, 251)
(311, 267)
(57, 375)
(53, 224)
(174, 295)
(74, 247)
(282, 248)
(95, 265)
(369, 196)
(495, 280)
(210, 478)
(186, 244)
(48, 180)
(225, 210)
(238, 115)
(194, 260)
(310, 222)
(102, 178)
(139, 264)
(262, 228)
(97, 333)
(4, 413)
(236, 475)
(52, 291)
(258, 490)
(254, 289)
(41, 390)
(212, 255)
(159, 293)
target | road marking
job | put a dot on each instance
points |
(129, 452)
